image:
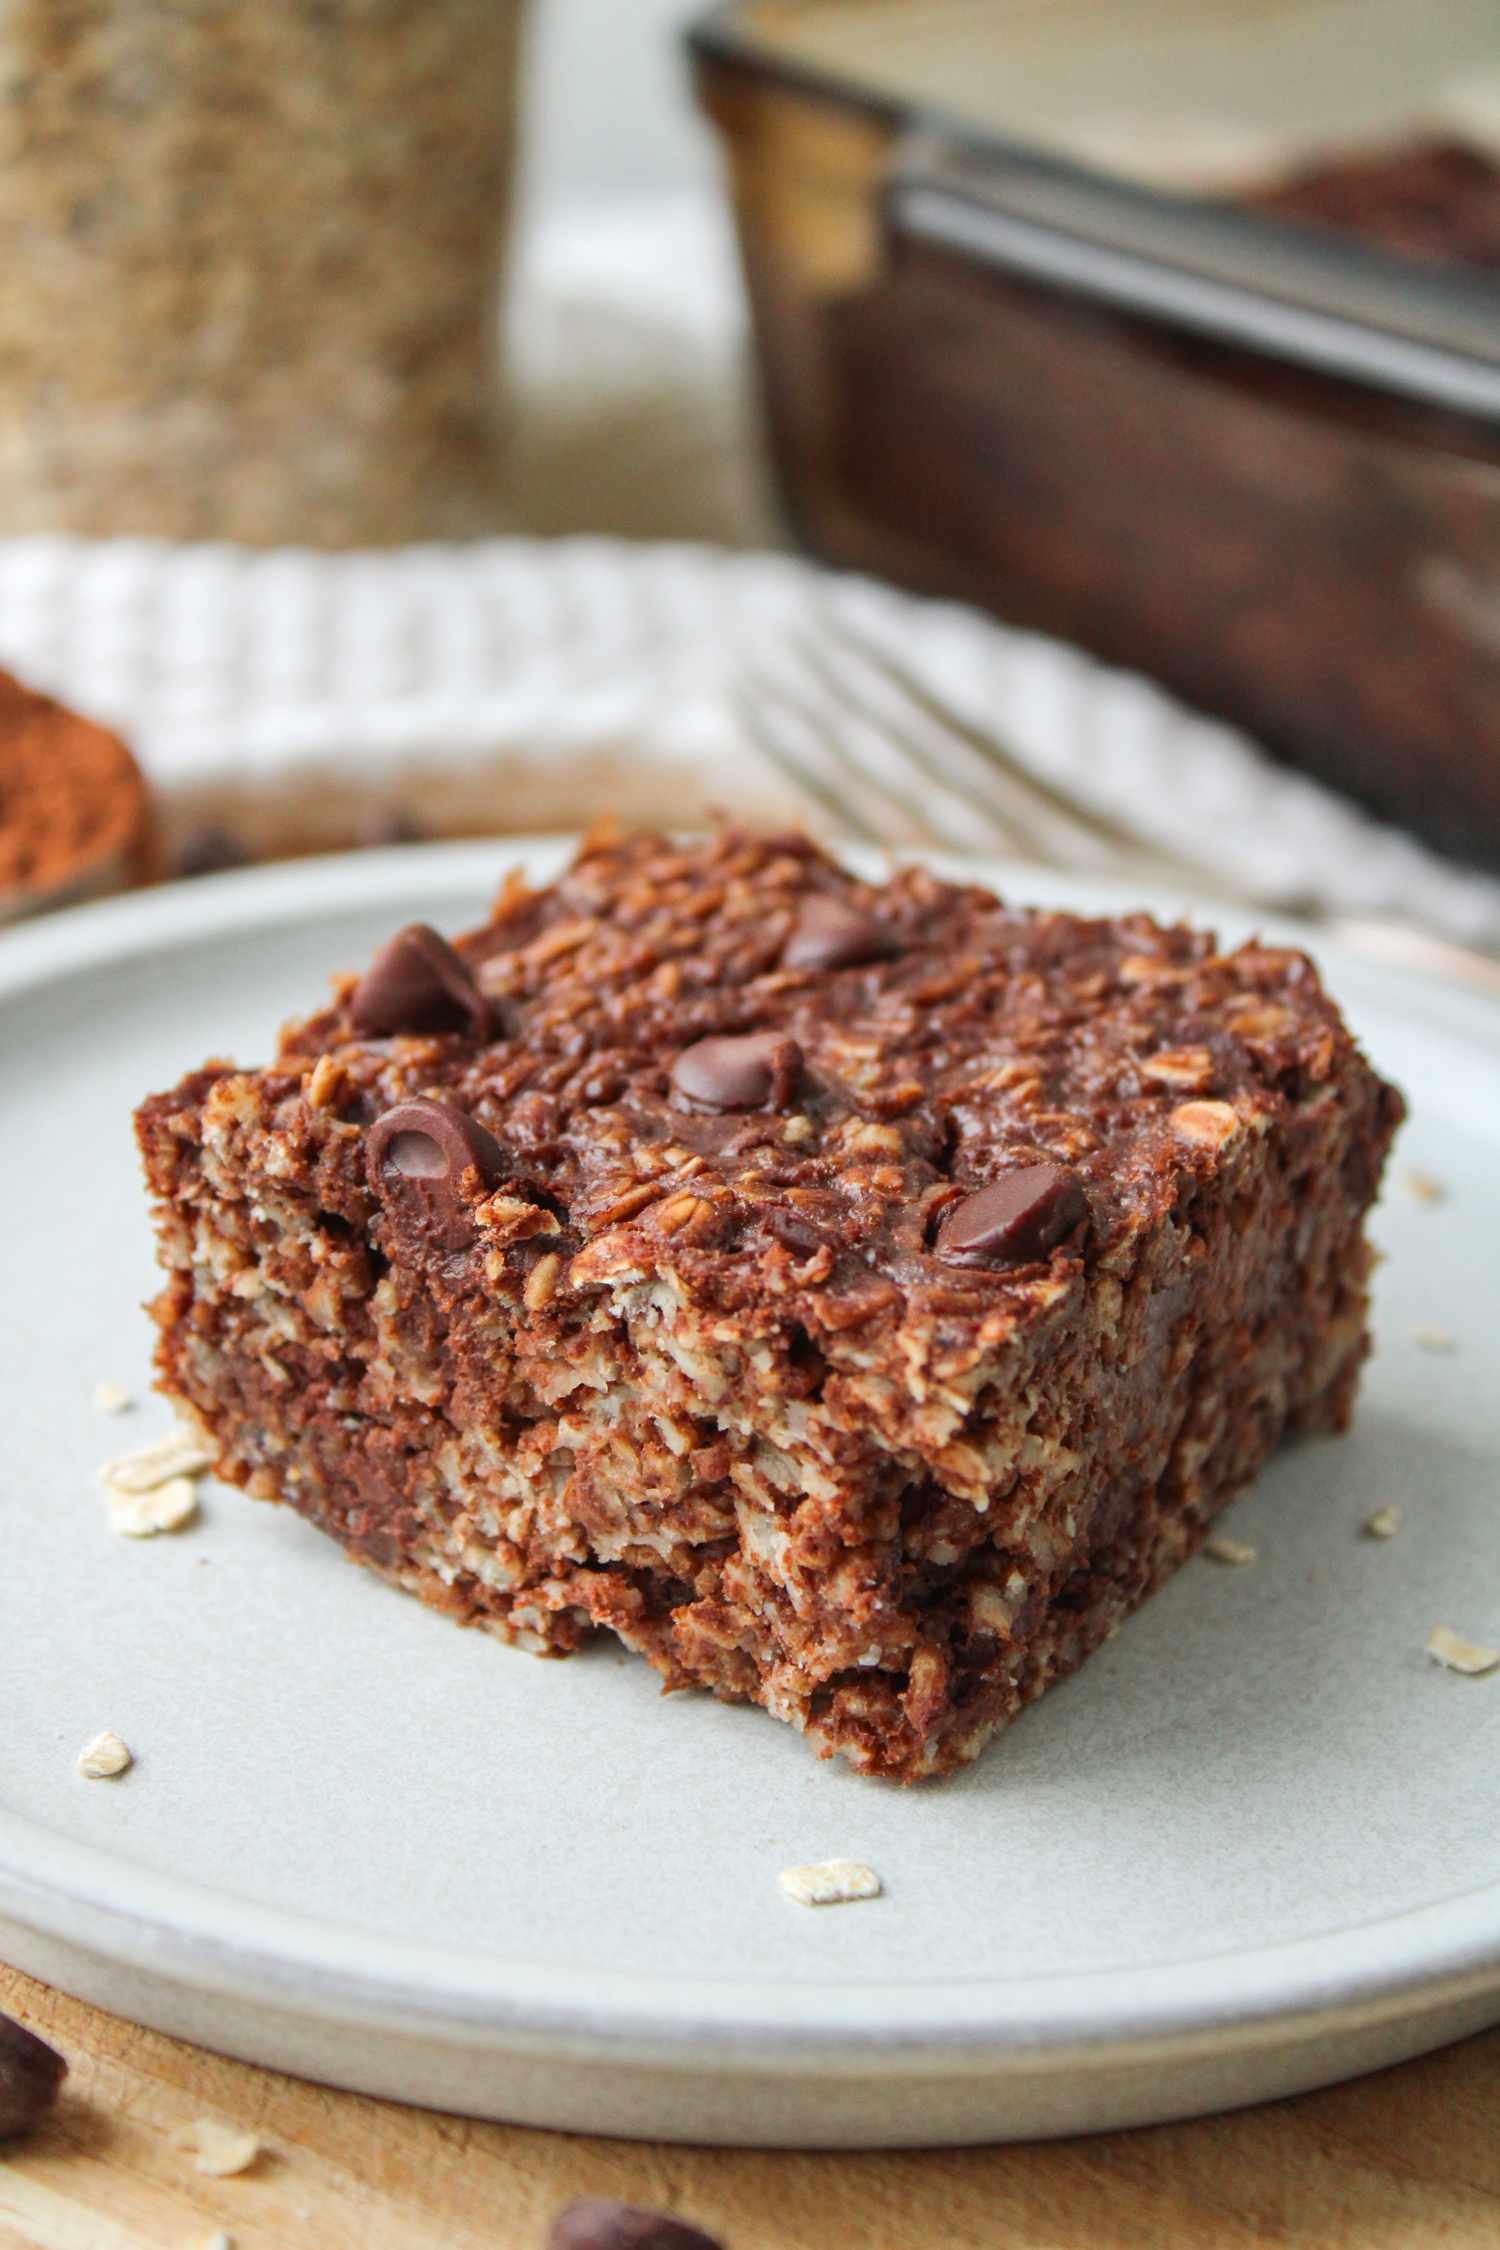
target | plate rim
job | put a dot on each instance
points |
(292, 1962)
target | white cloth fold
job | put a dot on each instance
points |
(242, 674)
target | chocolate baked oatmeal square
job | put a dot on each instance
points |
(856, 1297)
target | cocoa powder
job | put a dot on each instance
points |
(73, 805)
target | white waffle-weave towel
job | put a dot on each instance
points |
(252, 673)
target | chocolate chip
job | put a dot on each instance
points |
(596, 2223)
(418, 983)
(830, 935)
(30, 2074)
(740, 1073)
(1016, 1218)
(416, 1159)
(792, 1229)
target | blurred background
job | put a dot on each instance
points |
(631, 404)
(1064, 429)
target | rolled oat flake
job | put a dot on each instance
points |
(830, 1882)
(104, 1758)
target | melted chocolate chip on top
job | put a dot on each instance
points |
(417, 983)
(416, 1159)
(1018, 1217)
(755, 1072)
(828, 934)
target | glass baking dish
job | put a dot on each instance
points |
(1026, 338)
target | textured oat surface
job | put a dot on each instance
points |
(705, 1378)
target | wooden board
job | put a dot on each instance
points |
(1411, 2156)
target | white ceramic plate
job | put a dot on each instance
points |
(1254, 1845)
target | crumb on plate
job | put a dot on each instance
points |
(166, 1507)
(103, 1758)
(830, 1882)
(179, 1453)
(1455, 1654)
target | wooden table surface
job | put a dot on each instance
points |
(1411, 2156)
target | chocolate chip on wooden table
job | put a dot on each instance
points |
(1018, 1217)
(748, 1073)
(593, 2222)
(417, 984)
(828, 934)
(415, 1161)
(30, 2074)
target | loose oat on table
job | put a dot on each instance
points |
(1384, 1524)
(857, 1297)
(830, 1882)
(1456, 1654)
(141, 1515)
(112, 1398)
(103, 1758)
(178, 1453)
(220, 2151)
(1423, 1187)
(1428, 1339)
(1223, 1549)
